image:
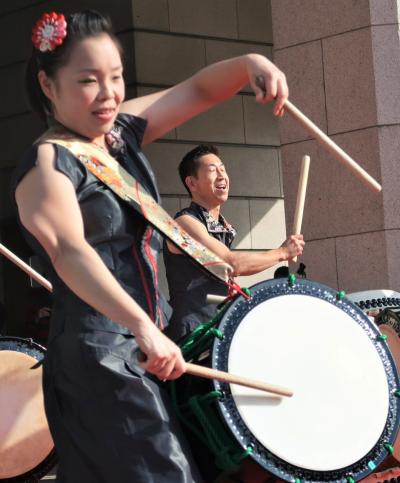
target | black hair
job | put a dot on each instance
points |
(80, 25)
(190, 162)
(281, 272)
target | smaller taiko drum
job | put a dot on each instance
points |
(26, 445)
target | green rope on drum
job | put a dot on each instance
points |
(179, 410)
(227, 453)
(197, 342)
(201, 345)
(208, 421)
(247, 452)
(200, 339)
(203, 398)
(389, 447)
(198, 413)
(218, 333)
(350, 479)
(340, 295)
(381, 337)
(198, 332)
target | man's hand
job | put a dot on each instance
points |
(293, 247)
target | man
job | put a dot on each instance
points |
(205, 178)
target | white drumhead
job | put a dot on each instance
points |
(341, 396)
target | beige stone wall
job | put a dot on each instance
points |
(342, 62)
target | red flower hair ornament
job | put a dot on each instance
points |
(49, 32)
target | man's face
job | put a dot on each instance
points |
(211, 182)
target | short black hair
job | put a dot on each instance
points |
(281, 272)
(190, 162)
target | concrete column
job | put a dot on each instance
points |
(343, 66)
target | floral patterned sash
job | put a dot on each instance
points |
(110, 172)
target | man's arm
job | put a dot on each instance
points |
(243, 262)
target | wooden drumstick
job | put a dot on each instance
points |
(327, 143)
(333, 148)
(222, 376)
(26, 268)
(301, 196)
(208, 373)
(215, 299)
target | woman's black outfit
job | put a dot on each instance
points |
(110, 422)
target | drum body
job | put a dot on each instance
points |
(26, 446)
(344, 415)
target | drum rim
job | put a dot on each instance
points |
(38, 352)
(36, 473)
(263, 291)
(33, 347)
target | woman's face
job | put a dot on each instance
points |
(87, 92)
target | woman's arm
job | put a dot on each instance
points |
(243, 262)
(49, 210)
(167, 109)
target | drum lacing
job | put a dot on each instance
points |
(340, 295)
(193, 405)
(389, 447)
(198, 343)
(213, 435)
(227, 453)
(227, 456)
(199, 340)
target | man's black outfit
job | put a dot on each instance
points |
(189, 285)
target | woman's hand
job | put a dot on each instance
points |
(293, 247)
(164, 358)
(267, 82)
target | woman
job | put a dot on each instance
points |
(109, 421)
